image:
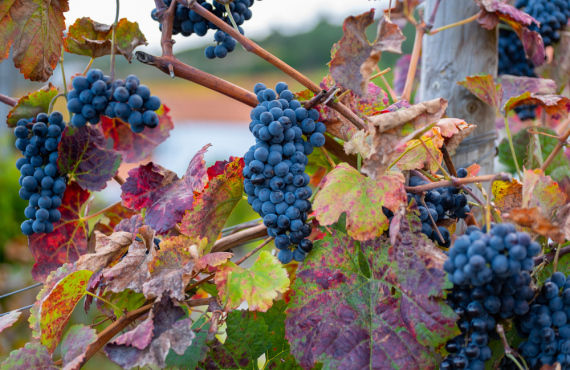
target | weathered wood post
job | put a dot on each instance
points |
(451, 55)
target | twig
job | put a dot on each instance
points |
(551, 256)
(431, 20)
(232, 240)
(167, 21)
(456, 24)
(416, 52)
(264, 54)
(380, 73)
(63, 73)
(98, 213)
(199, 301)
(242, 226)
(391, 92)
(254, 250)
(21, 290)
(456, 182)
(556, 150)
(508, 350)
(322, 96)
(337, 150)
(448, 161)
(330, 160)
(8, 100)
(433, 224)
(52, 102)
(119, 179)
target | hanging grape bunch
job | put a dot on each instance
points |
(491, 281)
(42, 185)
(95, 94)
(188, 22)
(275, 179)
(553, 16)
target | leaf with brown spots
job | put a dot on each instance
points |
(362, 200)
(507, 194)
(107, 249)
(542, 192)
(34, 30)
(355, 57)
(32, 104)
(533, 219)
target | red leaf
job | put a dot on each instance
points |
(136, 147)
(84, 157)
(34, 29)
(67, 241)
(162, 193)
(114, 215)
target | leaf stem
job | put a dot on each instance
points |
(511, 145)
(63, 73)
(8, 100)
(456, 24)
(113, 40)
(53, 100)
(456, 182)
(557, 148)
(329, 159)
(229, 11)
(111, 304)
(88, 66)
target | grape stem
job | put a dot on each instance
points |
(447, 159)
(240, 237)
(508, 350)
(454, 181)
(552, 255)
(8, 100)
(53, 100)
(119, 179)
(433, 224)
(264, 54)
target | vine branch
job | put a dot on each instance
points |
(457, 182)
(8, 100)
(556, 150)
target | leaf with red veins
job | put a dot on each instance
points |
(67, 241)
(93, 39)
(83, 156)
(171, 268)
(209, 261)
(494, 11)
(541, 191)
(113, 216)
(213, 206)
(416, 156)
(31, 104)
(384, 309)
(136, 147)
(145, 185)
(131, 272)
(485, 88)
(34, 30)
(389, 129)
(166, 329)
(355, 57)
(74, 345)
(554, 105)
(362, 200)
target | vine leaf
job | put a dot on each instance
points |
(113, 216)
(171, 268)
(397, 318)
(131, 272)
(93, 39)
(9, 319)
(541, 191)
(209, 261)
(355, 58)
(130, 225)
(213, 206)
(552, 104)
(258, 286)
(34, 30)
(58, 304)
(416, 156)
(533, 219)
(494, 11)
(30, 105)
(67, 241)
(107, 249)
(166, 330)
(84, 157)
(485, 88)
(162, 193)
(32, 356)
(559, 68)
(454, 130)
(136, 147)
(388, 130)
(362, 200)
(74, 345)
(507, 194)
(250, 335)
(196, 352)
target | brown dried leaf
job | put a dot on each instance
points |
(454, 130)
(389, 129)
(507, 195)
(107, 249)
(534, 220)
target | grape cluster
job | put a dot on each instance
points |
(41, 183)
(95, 94)
(552, 15)
(547, 325)
(275, 179)
(188, 22)
(441, 203)
(490, 273)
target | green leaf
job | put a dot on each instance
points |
(396, 319)
(59, 304)
(362, 200)
(93, 39)
(258, 286)
(196, 352)
(547, 271)
(30, 105)
(34, 29)
(32, 356)
(127, 300)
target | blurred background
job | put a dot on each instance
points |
(300, 32)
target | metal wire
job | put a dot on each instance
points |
(21, 290)
(17, 309)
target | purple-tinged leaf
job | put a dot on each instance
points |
(167, 332)
(516, 85)
(130, 225)
(485, 88)
(145, 184)
(32, 356)
(401, 72)
(74, 345)
(83, 156)
(554, 105)
(371, 304)
(113, 216)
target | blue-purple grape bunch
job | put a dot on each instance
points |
(275, 179)
(442, 203)
(491, 280)
(42, 185)
(188, 22)
(95, 94)
(546, 327)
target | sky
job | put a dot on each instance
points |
(287, 16)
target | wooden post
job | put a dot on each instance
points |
(8, 76)
(450, 56)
